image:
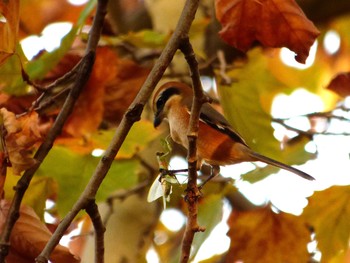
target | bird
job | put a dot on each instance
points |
(218, 144)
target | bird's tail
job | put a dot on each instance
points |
(278, 164)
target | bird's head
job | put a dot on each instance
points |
(165, 95)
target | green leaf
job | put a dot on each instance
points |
(329, 214)
(11, 74)
(72, 172)
(133, 142)
(146, 39)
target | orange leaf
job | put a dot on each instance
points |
(340, 84)
(22, 134)
(273, 23)
(34, 18)
(264, 236)
(123, 89)
(29, 237)
(88, 113)
(9, 21)
(113, 84)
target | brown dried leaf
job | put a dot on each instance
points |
(22, 134)
(29, 237)
(264, 236)
(340, 84)
(273, 23)
(88, 113)
(123, 89)
(9, 21)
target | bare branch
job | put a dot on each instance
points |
(328, 115)
(192, 189)
(99, 228)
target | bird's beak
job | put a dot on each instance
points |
(158, 118)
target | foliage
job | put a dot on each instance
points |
(248, 73)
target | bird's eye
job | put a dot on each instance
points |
(163, 98)
(160, 103)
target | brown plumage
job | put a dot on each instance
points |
(217, 144)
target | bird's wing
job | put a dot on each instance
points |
(217, 121)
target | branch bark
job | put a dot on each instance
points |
(99, 228)
(193, 193)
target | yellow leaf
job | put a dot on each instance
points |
(40, 189)
(9, 21)
(264, 236)
(329, 213)
(242, 103)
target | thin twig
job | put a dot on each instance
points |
(92, 211)
(309, 133)
(132, 115)
(121, 195)
(192, 189)
(223, 67)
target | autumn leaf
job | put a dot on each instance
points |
(75, 171)
(46, 12)
(264, 236)
(340, 84)
(29, 237)
(329, 212)
(112, 86)
(88, 113)
(39, 191)
(273, 23)
(146, 38)
(9, 21)
(21, 135)
(123, 89)
(242, 103)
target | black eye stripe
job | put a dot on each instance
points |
(164, 96)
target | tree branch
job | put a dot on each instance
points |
(99, 227)
(328, 115)
(130, 117)
(192, 189)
